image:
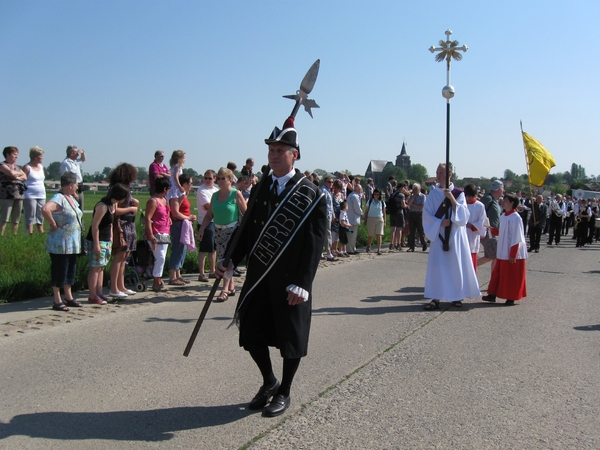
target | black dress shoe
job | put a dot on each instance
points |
(489, 298)
(277, 406)
(264, 394)
(425, 247)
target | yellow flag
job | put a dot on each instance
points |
(539, 160)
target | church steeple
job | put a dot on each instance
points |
(403, 160)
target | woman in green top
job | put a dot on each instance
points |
(225, 207)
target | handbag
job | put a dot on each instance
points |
(119, 241)
(84, 249)
(163, 238)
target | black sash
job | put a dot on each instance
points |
(445, 211)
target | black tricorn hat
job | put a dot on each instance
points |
(287, 136)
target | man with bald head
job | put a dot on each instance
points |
(537, 222)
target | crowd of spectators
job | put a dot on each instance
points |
(221, 200)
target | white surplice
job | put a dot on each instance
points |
(450, 275)
(477, 218)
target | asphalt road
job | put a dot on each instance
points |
(382, 373)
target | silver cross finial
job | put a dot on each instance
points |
(448, 50)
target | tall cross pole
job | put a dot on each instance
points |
(448, 50)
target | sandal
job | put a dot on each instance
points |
(202, 278)
(73, 303)
(378, 253)
(176, 282)
(60, 307)
(184, 280)
(222, 297)
(433, 304)
(458, 304)
(368, 249)
(231, 293)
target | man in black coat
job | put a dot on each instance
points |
(537, 222)
(282, 238)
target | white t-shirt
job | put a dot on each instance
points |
(344, 217)
(203, 196)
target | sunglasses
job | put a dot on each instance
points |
(208, 178)
(221, 178)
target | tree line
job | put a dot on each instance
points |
(557, 182)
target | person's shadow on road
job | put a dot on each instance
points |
(152, 425)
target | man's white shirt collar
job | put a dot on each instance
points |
(282, 181)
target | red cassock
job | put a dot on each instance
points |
(508, 280)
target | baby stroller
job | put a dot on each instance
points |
(132, 276)
(141, 262)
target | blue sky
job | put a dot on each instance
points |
(122, 79)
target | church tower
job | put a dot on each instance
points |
(403, 160)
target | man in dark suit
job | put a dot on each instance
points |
(537, 222)
(523, 209)
(282, 238)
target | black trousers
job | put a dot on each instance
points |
(582, 232)
(415, 223)
(555, 228)
(62, 269)
(536, 234)
(567, 223)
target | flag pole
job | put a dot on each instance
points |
(528, 174)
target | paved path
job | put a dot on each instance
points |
(381, 372)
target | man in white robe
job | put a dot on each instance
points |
(450, 274)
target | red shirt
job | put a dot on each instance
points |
(184, 209)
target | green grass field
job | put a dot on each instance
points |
(25, 264)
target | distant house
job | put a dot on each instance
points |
(375, 171)
(376, 166)
(430, 181)
(101, 186)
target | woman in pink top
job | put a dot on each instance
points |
(158, 227)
